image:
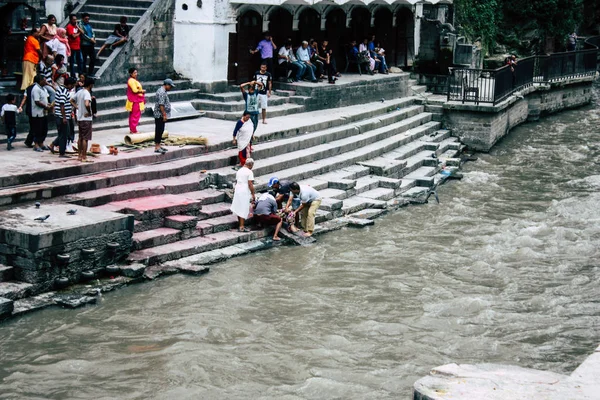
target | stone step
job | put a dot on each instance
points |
(130, 3)
(155, 237)
(108, 13)
(99, 176)
(275, 111)
(358, 203)
(439, 135)
(318, 158)
(206, 197)
(181, 222)
(174, 185)
(155, 207)
(236, 105)
(107, 105)
(14, 290)
(6, 273)
(217, 224)
(189, 247)
(379, 193)
(423, 176)
(215, 210)
(332, 163)
(382, 166)
(150, 86)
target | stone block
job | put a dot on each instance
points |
(389, 183)
(6, 273)
(6, 307)
(180, 222)
(341, 184)
(382, 166)
(333, 194)
(368, 213)
(133, 270)
(18, 227)
(15, 290)
(329, 204)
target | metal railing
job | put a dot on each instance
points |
(493, 86)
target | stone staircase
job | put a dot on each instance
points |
(363, 164)
(105, 14)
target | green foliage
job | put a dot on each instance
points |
(499, 20)
(478, 20)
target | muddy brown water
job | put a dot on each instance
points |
(504, 270)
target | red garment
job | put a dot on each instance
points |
(75, 43)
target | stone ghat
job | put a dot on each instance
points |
(365, 160)
(500, 382)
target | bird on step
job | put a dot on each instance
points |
(72, 211)
(42, 219)
(37, 204)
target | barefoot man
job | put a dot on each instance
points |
(265, 213)
(310, 200)
(82, 102)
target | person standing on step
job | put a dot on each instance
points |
(162, 112)
(310, 200)
(82, 102)
(242, 137)
(251, 101)
(265, 213)
(88, 41)
(47, 33)
(39, 112)
(74, 36)
(63, 109)
(136, 100)
(243, 194)
(9, 117)
(26, 102)
(31, 58)
(265, 79)
(267, 48)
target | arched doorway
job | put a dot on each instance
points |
(335, 33)
(360, 26)
(384, 33)
(280, 25)
(242, 64)
(405, 43)
(309, 25)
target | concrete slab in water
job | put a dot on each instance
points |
(19, 228)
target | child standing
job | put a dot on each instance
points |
(9, 116)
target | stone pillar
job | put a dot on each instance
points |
(418, 15)
(201, 40)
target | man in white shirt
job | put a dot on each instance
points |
(303, 55)
(39, 111)
(82, 102)
(310, 200)
(288, 61)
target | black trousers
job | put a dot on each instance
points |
(63, 135)
(40, 129)
(88, 51)
(159, 129)
(29, 138)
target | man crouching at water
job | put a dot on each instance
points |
(265, 213)
(310, 200)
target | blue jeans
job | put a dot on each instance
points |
(11, 132)
(301, 69)
(76, 57)
(311, 68)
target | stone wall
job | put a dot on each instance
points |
(364, 91)
(481, 126)
(150, 48)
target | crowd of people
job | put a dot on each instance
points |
(313, 61)
(57, 88)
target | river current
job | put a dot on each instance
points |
(505, 270)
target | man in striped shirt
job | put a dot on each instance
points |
(62, 112)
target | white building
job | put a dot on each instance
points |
(213, 37)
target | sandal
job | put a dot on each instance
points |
(245, 229)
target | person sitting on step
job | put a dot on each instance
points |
(118, 38)
(360, 59)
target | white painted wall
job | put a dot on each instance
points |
(56, 7)
(418, 16)
(202, 39)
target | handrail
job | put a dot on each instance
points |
(495, 85)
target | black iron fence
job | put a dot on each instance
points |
(493, 86)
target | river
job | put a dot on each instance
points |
(504, 270)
